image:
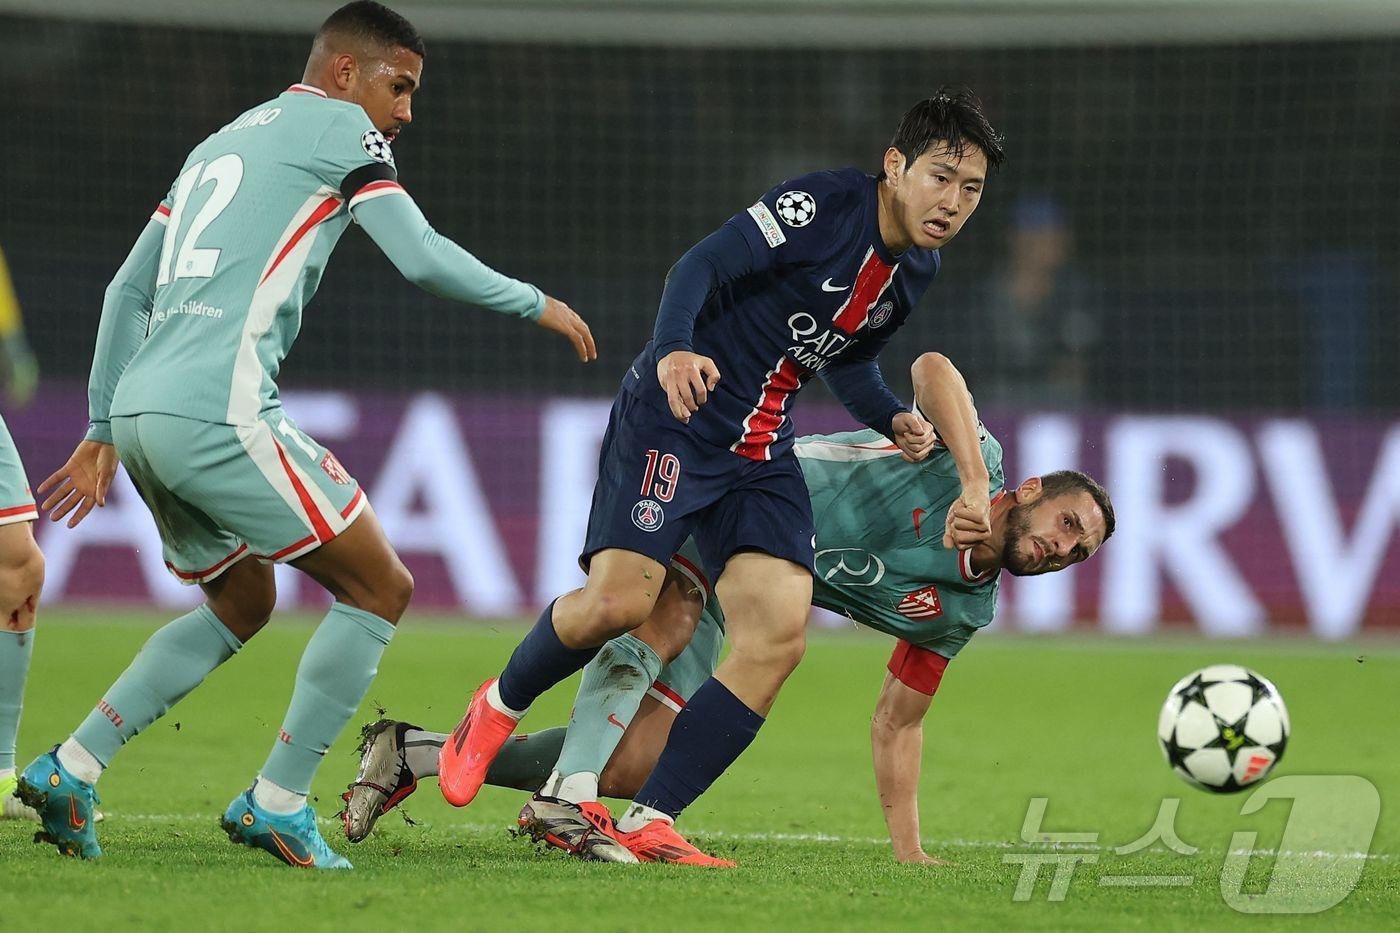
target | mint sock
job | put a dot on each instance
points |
(336, 669)
(174, 661)
(612, 688)
(523, 763)
(15, 649)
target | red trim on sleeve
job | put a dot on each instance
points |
(917, 668)
(162, 209)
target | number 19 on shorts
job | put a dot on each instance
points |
(662, 473)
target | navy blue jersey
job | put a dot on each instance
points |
(801, 283)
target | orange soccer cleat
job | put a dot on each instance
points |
(469, 751)
(658, 841)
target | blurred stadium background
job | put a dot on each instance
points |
(1185, 280)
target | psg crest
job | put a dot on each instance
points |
(647, 515)
(881, 314)
(796, 208)
(377, 147)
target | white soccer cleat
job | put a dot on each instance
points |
(384, 779)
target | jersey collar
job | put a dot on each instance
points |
(872, 222)
(305, 89)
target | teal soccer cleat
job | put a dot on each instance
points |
(65, 806)
(291, 837)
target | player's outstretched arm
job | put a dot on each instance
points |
(897, 743)
(82, 482)
(126, 314)
(436, 264)
(860, 386)
(941, 394)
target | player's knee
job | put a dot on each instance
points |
(400, 589)
(608, 614)
(392, 594)
(788, 653)
(246, 612)
(669, 628)
(774, 651)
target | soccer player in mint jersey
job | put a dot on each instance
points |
(912, 550)
(194, 328)
(811, 280)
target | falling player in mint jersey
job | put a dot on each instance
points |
(912, 550)
(183, 390)
(812, 280)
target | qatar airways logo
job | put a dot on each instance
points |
(817, 344)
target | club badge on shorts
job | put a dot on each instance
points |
(647, 515)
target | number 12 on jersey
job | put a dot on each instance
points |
(180, 256)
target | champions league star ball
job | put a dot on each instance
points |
(1223, 728)
(796, 208)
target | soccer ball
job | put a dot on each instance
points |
(796, 208)
(1223, 728)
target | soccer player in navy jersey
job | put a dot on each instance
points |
(812, 280)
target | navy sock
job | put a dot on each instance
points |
(539, 662)
(707, 737)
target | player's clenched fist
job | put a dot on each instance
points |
(969, 520)
(688, 379)
(913, 435)
(563, 319)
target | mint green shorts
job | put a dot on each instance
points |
(16, 501)
(222, 492)
(693, 666)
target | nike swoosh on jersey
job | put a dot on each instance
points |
(828, 287)
(918, 520)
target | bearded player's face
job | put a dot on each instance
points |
(936, 195)
(384, 88)
(1047, 535)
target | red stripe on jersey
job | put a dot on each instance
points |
(308, 89)
(162, 209)
(761, 426)
(669, 694)
(871, 280)
(323, 210)
(201, 574)
(917, 668)
(318, 523)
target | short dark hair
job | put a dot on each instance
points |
(1067, 481)
(954, 117)
(375, 23)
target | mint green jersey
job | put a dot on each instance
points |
(880, 558)
(251, 220)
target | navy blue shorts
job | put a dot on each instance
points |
(659, 482)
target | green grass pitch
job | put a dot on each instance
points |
(1072, 720)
